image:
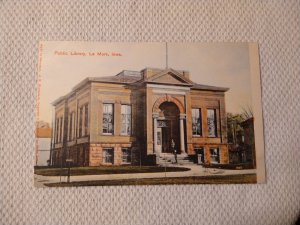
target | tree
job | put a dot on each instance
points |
(247, 113)
(234, 128)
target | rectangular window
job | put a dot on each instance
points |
(73, 126)
(57, 135)
(196, 122)
(56, 131)
(211, 123)
(80, 122)
(108, 155)
(73, 134)
(126, 155)
(70, 126)
(86, 119)
(214, 155)
(126, 119)
(60, 130)
(108, 118)
(200, 155)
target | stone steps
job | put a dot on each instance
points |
(169, 159)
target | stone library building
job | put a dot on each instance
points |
(140, 117)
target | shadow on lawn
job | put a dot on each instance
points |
(79, 171)
(232, 179)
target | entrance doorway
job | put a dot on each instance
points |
(168, 128)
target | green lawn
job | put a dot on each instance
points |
(232, 179)
(76, 171)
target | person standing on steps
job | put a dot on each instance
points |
(174, 150)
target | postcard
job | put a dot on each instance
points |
(148, 114)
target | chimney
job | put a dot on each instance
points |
(150, 72)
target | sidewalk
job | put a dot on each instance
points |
(196, 170)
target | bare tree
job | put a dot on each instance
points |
(247, 112)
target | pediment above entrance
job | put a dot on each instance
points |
(170, 76)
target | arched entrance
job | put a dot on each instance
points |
(168, 123)
(168, 127)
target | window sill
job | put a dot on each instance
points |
(200, 136)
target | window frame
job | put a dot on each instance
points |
(215, 123)
(105, 156)
(218, 155)
(86, 119)
(200, 122)
(196, 149)
(60, 130)
(56, 130)
(80, 122)
(126, 124)
(70, 127)
(129, 155)
(113, 119)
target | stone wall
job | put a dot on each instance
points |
(96, 154)
(223, 149)
(205, 100)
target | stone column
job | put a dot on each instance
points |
(155, 116)
(182, 144)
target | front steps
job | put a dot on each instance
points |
(168, 159)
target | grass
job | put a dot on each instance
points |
(100, 170)
(241, 166)
(231, 179)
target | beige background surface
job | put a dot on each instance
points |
(224, 64)
(273, 24)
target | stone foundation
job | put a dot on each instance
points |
(96, 156)
(223, 153)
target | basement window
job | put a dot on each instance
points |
(214, 155)
(126, 155)
(108, 155)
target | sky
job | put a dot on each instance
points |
(63, 65)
